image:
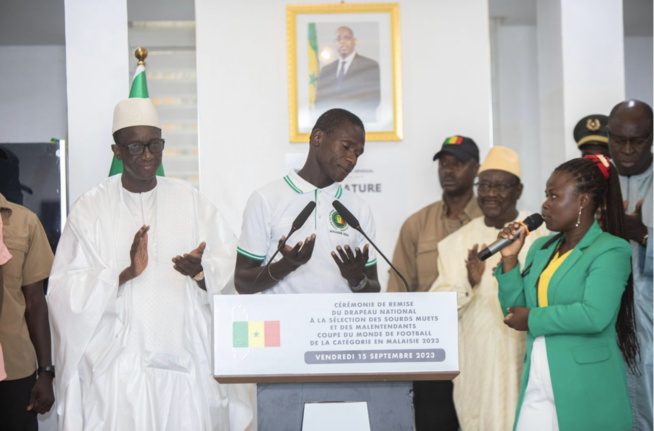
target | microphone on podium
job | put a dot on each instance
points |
(352, 221)
(297, 224)
(530, 223)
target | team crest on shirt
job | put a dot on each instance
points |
(337, 221)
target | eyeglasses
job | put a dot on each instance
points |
(501, 188)
(621, 140)
(137, 148)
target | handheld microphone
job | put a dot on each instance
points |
(530, 223)
(297, 224)
(352, 221)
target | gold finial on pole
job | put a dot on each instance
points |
(141, 54)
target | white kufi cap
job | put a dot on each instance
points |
(135, 112)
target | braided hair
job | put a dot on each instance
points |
(589, 174)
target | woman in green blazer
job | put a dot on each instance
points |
(574, 298)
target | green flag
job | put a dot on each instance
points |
(139, 90)
(139, 84)
(314, 64)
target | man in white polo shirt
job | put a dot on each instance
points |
(325, 255)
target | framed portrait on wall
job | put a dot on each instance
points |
(345, 56)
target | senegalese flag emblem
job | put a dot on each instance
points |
(337, 220)
(256, 334)
(453, 140)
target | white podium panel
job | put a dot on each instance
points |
(335, 337)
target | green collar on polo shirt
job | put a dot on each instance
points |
(300, 185)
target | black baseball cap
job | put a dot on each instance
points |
(462, 147)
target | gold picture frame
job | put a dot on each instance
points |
(321, 40)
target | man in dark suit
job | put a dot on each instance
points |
(351, 82)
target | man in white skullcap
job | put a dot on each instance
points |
(490, 353)
(129, 294)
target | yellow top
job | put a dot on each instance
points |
(546, 276)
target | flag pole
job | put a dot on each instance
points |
(141, 54)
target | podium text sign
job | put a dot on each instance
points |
(335, 337)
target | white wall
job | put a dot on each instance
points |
(638, 68)
(580, 70)
(32, 93)
(97, 78)
(593, 55)
(516, 112)
(243, 98)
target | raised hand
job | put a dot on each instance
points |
(351, 264)
(138, 256)
(190, 264)
(634, 226)
(474, 265)
(299, 254)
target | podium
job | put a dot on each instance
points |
(384, 340)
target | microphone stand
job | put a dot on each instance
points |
(297, 224)
(293, 229)
(354, 222)
(406, 285)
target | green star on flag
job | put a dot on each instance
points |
(256, 333)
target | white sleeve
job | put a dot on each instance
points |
(452, 275)
(219, 258)
(82, 288)
(256, 230)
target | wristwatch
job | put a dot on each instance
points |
(49, 369)
(363, 283)
(199, 276)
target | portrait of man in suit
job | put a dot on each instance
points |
(351, 82)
